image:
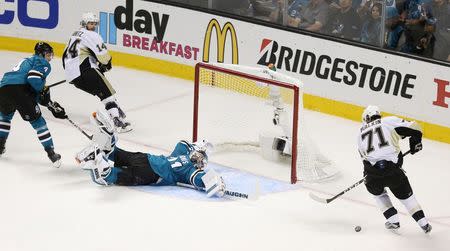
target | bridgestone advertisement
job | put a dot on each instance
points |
(331, 70)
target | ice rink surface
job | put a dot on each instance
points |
(48, 209)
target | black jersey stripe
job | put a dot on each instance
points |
(193, 175)
(5, 127)
(45, 136)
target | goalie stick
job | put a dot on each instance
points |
(326, 201)
(228, 193)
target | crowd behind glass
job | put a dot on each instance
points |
(420, 27)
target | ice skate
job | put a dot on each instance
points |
(122, 126)
(54, 157)
(394, 227)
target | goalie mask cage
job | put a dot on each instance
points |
(234, 106)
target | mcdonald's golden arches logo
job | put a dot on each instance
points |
(221, 36)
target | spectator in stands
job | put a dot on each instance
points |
(276, 16)
(293, 9)
(440, 10)
(237, 7)
(312, 17)
(426, 42)
(371, 28)
(346, 22)
(263, 9)
(413, 14)
(394, 27)
(365, 8)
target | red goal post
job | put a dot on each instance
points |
(254, 84)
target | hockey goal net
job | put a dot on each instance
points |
(259, 111)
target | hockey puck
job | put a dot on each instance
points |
(357, 228)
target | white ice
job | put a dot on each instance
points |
(42, 208)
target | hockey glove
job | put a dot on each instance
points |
(57, 110)
(214, 184)
(44, 96)
(105, 67)
(415, 145)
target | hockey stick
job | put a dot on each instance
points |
(57, 83)
(326, 201)
(228, 193)
(79, 128)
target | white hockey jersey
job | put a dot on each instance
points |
(85, 49)
(378, 139)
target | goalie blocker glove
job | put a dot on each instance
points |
(214, 184)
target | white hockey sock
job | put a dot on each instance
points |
(111, 106)
(415, 210)
(385, 204)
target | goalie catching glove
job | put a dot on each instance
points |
(214, 184)
(92, 159)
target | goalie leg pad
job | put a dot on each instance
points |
(105, 134)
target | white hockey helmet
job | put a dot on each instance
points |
(370, 112)
(88, 17)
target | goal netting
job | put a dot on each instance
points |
(254, 116)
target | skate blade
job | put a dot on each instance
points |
(57, 164)
(395, 231)
(124, 130)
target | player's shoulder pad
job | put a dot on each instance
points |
(41, 65)
(92, 36)
(391, 120)
(394, 121)
(186, 144)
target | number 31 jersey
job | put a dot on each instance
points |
(84, 50)
(378, 140)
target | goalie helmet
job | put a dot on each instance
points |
(371, 113)
(199, 158)
(88, 17)
(42, 48)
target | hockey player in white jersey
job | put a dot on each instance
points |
(85, 61)
(378, 145)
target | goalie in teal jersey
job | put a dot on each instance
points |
(111, 165)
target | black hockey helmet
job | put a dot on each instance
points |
(41, 48)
